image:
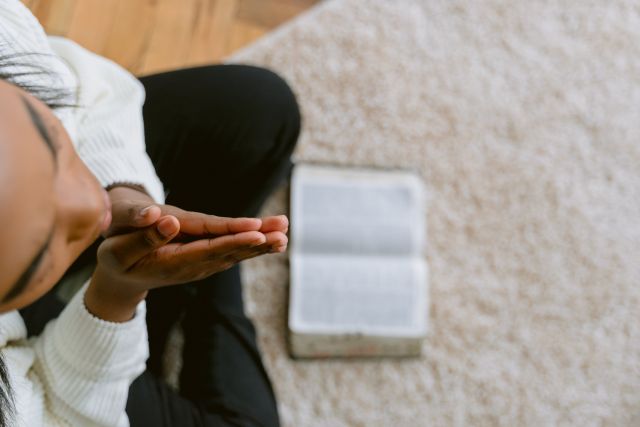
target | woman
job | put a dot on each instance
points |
(80, 192)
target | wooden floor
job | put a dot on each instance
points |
(152, 35)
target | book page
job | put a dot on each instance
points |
(338, 212)
(357, 267)
(379, 295)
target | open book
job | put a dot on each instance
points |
(358, 273)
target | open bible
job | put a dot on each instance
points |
(358, 274)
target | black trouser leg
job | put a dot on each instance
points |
(220, 138)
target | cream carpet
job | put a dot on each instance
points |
(524, 121)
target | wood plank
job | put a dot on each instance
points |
(131, 33)
(31, 4)
(91, 23)
(153, 35)
(242, 34)
(54, 15)
(211, 32)
(273, 12)
(172, 31)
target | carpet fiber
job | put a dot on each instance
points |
(523, 119)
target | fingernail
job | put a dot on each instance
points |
(145, 211)
(166, 227)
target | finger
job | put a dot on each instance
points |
(272, 239)
(200, 224)
(278, 249)
(276, 238)
(127, 216)
(209, 249)
(275, 242)
(241, 255)
(196, 226)
(278, 242)
(275, 223)
(125, 250)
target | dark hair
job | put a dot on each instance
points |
(6, 396)
(15, 69)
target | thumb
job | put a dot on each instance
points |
(124, 250)
(129, 215)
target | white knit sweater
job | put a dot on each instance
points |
(78, 371)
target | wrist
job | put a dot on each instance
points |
(128, 192)
(110, 302)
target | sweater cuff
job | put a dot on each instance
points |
(119, 168)
(97, 348)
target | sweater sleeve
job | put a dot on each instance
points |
(106, 126)
(110, 130)
(86, 364)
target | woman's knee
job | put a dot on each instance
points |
(240, 117)
(269, 89)
(273, 103)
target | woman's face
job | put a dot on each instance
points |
(51, 206)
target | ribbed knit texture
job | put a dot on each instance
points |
(78, 371)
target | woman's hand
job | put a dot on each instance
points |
(132, 209)
(130, 264)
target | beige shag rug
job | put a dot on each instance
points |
(524, 120)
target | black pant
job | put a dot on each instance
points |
(220, 138)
